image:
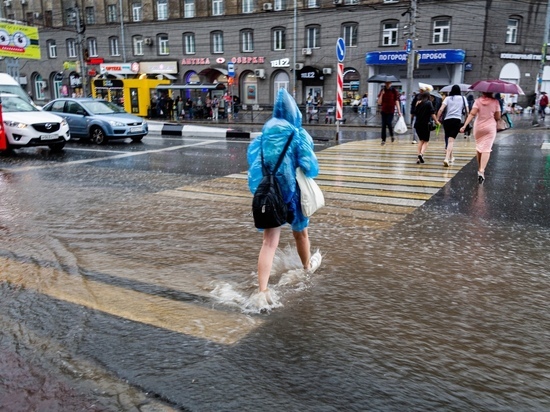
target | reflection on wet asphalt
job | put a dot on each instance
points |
(432, 294)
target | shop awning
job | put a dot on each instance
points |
(209, 86)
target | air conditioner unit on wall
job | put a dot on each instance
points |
(327, 70)
(268, 6)
(7, 3)
(259, 73)
(148, 41)
(337, 2)
(306, 51)
(299, 66)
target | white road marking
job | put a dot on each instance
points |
(119, 156)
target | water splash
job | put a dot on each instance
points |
(287, 277)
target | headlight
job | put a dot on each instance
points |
(15, 124)
(116, 124)
(63, 122)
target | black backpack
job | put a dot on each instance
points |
(268, 205)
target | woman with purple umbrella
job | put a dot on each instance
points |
(486, 109)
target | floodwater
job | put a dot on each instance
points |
(445, 310)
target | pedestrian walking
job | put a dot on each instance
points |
(424, 114)
(543, 103)
(265, 150)
(486, 110)
(388, 99)
(453, 109)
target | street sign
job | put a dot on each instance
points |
(340, 49)
(340, 92)
(231, 69)
(409, 45)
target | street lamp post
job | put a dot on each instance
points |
(542, 63)
(294, 43)
(411, 61)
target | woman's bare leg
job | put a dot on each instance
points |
(303, 246)
(267, 253)
(449, 153)
(484, 159)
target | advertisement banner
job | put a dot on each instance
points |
(19, 41)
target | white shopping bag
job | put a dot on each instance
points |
(400, 127)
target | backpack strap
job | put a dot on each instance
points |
(265, 170)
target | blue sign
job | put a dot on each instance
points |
(409, 45)
(340, 49)
(443, 56)
(231, 69)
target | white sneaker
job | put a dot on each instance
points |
(315, 262)
(446, 162)
(453, 160)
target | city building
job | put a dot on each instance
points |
(250, 48)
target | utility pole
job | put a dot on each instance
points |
(122, 31)
(80, 40)
(411, 61)
(542, 63)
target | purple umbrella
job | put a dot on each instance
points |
(496, 86)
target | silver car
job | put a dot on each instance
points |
(98, 120)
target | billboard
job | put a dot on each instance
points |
(19, 41)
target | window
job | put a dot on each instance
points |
(247, 40)
(189, 43)
(279, 39)
(349, 34)
(348, 2)
(311, 4)
(71, 48)
(189, 9)
(217, 8)
(39, 86)
(113, 46)
(162, 9)
(217, 42)
(92, 47)
(442, 31)
(248, 6)
(112, 13)
(137, 45)
(48, 19)
(280, 5)
(389, 33)
(70, 17)
(52, 49)
(30, 18)
(512, 31)
(90, 15)
(391, 1)
(163, 44)
(313, 37)
(136, 11)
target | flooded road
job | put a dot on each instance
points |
(125, 279)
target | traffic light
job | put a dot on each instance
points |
(230, 81)
(86, 54)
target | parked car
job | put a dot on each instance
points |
(98, 120)
(26, 126)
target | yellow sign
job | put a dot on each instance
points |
(19, 41)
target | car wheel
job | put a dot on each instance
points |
(56, 147)
(137, 139)
(98, 135)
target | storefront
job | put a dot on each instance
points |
(133, 85)
(313, 81)
(436, 67)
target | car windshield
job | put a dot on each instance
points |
(13, 89)
(101, 107)
(16, 104)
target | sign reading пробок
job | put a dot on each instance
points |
(19, 41)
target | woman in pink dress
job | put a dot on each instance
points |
(487, 110)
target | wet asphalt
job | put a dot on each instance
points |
(514, 197)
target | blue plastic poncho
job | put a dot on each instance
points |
(275, 133)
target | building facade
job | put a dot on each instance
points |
(253, 47)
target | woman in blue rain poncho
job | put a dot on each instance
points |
(286, 120)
